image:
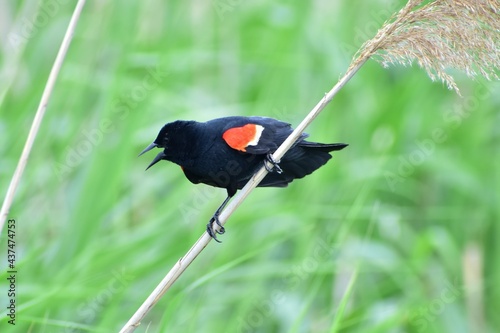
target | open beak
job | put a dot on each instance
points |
(148, 148)
(157, 159)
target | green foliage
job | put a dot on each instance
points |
(384, 238)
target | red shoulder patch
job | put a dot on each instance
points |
(240, 138)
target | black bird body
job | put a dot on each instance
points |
(226, 152)
(205, 157)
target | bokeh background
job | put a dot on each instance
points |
(398, 233)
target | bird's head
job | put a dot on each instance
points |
(161, 141)
(171, 140)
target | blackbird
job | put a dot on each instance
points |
(226, 152)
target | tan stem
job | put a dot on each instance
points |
(42, 107)
(203, 241)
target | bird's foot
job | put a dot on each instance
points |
(213, 233)
(275, 164)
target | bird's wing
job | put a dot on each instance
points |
(258, 136)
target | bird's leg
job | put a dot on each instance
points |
(215, 218)
(275, 167)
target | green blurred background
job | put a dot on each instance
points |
(398, 233)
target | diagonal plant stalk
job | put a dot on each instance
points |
(464, 34)
(203, 241)
(42, 107)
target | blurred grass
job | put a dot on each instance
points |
(96, 233)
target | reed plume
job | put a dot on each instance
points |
(440, 35)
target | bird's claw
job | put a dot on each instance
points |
(213, 233)
(275, 164)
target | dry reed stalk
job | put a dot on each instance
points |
(441, 34)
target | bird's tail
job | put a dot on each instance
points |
(326, 147)
(300, 161)
(309, 156)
